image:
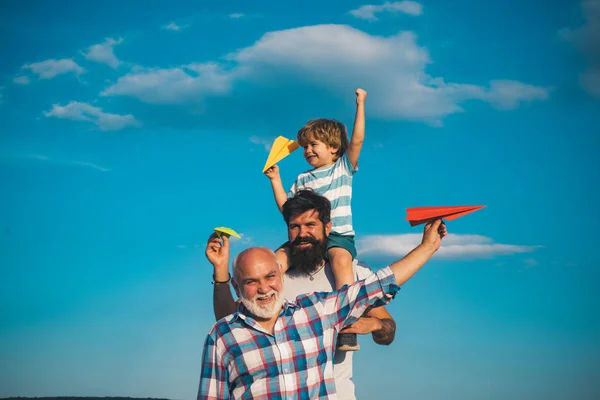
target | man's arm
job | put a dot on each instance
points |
(277, 186)
(214, 384)
(405, 268)
(350, 302)
(358, 131)
(218, 255)
(386, 334)
(376, 321)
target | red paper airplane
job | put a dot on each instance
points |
(421, 215)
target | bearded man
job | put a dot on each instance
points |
(308, 219)
(272, 347)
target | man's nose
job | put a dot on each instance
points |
(263, 287)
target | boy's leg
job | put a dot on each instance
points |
(341, 264)
(341, 253)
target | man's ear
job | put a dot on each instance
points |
(328, 228)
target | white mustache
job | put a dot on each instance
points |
(265, 296)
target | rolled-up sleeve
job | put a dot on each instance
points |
(350, 302)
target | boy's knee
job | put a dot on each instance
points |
(339, 253)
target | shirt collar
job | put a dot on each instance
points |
(242, 312)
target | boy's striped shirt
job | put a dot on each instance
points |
(335, 183)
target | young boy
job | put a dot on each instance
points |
(334, 163)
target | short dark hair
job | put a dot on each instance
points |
(305, 200)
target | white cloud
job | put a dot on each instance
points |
(188, 83)
(50, 68)
(174, 27)
(368, 11)
(391, 67)
(91, 165)
(530, 262)
(236, 16)
(510, 94)
(586, 38)
(77, 111)
(21, 80)
(267, 144)
(453, 246)
(38, 157)
(103, 53)
(78, 163)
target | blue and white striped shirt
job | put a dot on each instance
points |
(335, 183)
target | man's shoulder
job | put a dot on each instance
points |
(223, 326)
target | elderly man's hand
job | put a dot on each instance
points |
(363, 326)
(433, 234)
(218, 253)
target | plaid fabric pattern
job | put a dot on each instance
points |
(243, 361)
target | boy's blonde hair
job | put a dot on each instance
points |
(329, 131)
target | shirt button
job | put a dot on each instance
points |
(285, 371)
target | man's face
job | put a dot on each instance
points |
(308, 241)
(258, 283)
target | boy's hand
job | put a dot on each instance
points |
(361, 96)
(217, 253)
(272, 172)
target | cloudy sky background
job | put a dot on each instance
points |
(128, 130)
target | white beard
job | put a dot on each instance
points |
(267, 311)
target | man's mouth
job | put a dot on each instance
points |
(264, 300)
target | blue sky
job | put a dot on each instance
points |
(128, 130)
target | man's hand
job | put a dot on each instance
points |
(272, 172)
(433, 234)
(361, 96)
(363, 326)
(218, 253)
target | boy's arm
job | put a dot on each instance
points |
(358, 132)
(218, 255)
(278, 190)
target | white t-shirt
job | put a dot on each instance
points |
(324, 281)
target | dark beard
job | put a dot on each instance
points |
(303, 261)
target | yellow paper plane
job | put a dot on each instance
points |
(282, 147)
(221, 230)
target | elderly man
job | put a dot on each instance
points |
(307, 216)
(274, 348)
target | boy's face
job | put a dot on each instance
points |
(318, 154)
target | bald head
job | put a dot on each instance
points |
(257, 279)
(253, 256)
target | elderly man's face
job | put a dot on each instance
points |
(259, 283)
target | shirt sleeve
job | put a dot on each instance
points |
(214, 383)
(347, 165)
(293, 189)
(349, 303)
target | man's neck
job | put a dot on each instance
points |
(267, 324)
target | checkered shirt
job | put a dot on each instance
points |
(243, 361)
